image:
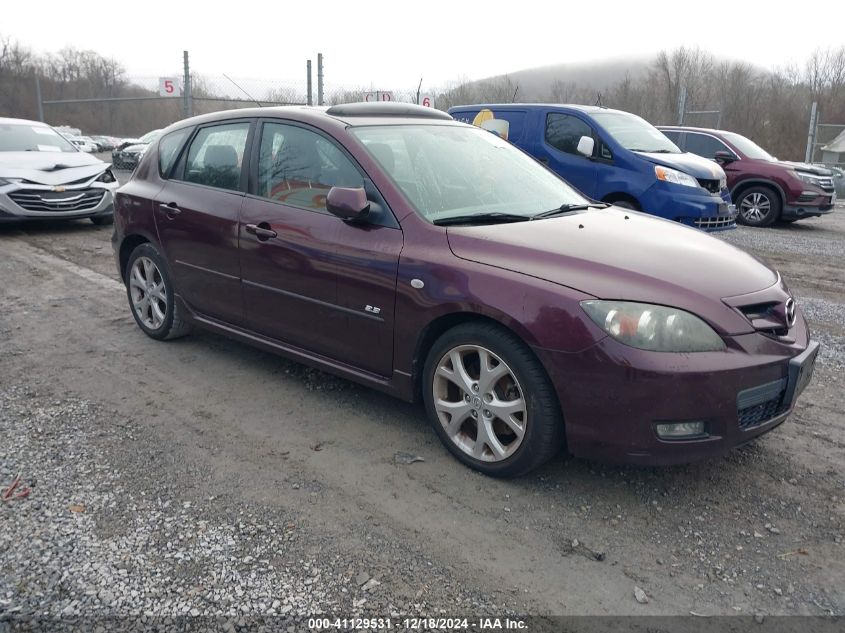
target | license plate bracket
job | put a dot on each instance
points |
(801, 372)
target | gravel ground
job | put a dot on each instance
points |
(101, 540)
(205, 477)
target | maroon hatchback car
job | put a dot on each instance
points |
(431, 259)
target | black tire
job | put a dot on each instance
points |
(174, 324)
(543, 435)
(625, 204)
(102, 220)
(758, 206)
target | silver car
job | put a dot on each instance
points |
(42, 175)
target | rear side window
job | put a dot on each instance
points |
(704, 145)
(168, 150)
(563, 131)
(216, 155)
(298, 167)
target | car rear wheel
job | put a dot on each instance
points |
(758, 206)
(151, 298)
(490, 401)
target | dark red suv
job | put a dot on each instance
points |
(764, 189)
(433, 260)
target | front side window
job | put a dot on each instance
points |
(748, 147)
(704, 145)
(297, 166)
(168, 149)
(448, 171)
(634, 133)
(15, 137)
(216, 155)
(563, 131)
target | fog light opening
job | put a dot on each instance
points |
(679, 430)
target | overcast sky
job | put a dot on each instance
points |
(390, 45)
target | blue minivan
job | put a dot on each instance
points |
(615, 157)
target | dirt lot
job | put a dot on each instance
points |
(202, 476)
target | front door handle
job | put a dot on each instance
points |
(262, 231)
(170, 209)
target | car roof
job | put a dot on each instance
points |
(349, 114)
(689, 128)
(587, 109)
(10, 121)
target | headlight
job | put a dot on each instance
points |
(674, 176)
(809, 179)
(106, 176)
(652, 327)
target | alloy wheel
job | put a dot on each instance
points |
(148, 293)
(480, 403)
(755, 207)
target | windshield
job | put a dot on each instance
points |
(747, 147)
(149, 137)
(450, 171)
(634, 133)
(15, 137)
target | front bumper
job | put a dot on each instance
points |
(696, 207)
(125, 160)
(612, 396)
(820, 205)
(41, 202)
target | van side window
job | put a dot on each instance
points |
(704, 145)
(563, 131)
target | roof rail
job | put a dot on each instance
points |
(408, 110)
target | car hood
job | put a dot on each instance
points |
(806, 167)
(692, 164)
(50, 168)
(619, 254)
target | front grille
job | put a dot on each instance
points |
(765, 318)
(58, 201)
(715, 223)
(826, 183)
(758, 405)
(713, 186)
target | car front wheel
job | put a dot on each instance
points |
(758, 206)
(149, 289)
(490, 401)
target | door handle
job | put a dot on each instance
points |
(170, 209)
(262, 231)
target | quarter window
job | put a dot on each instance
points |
(563, 131)
(298, 167)
(216, 155)
(168, 149)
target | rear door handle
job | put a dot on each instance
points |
(170, 209)
(261, 231)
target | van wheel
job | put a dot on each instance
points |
(490, 401)
(758, 206)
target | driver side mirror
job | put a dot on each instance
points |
(723, 156)
(586, 145)
(348, 203)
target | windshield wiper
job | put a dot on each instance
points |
(568, 208)
(481, 218)
(654, 151)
